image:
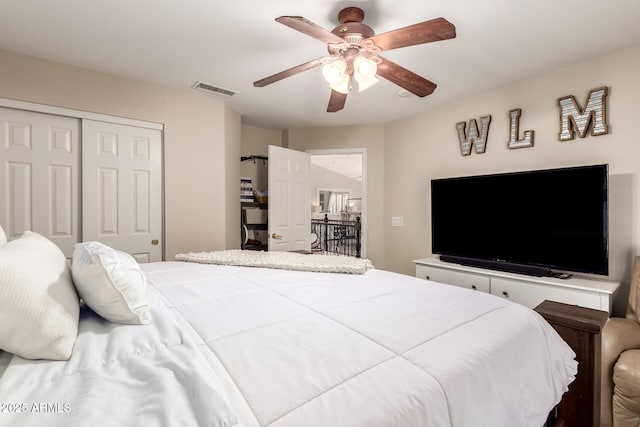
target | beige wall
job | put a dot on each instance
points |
(256, 141)
(233, 142)
(371, 138)
(203, 139)
(196, 126)
(425, 146)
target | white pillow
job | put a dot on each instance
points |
(39, 307)
(3, 237)
(111, 283)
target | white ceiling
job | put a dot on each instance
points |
(233, 43)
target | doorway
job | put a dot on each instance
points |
(338, 186)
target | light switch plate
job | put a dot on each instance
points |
(397, 221)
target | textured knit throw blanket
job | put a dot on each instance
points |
(281, 260)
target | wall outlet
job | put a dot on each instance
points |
(397, 221)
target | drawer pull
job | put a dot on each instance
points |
(506, 294)
(474, 287)
(427, 277)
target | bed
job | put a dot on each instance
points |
(227, 345)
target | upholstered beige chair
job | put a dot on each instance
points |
(620, 399)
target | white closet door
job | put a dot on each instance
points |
(122, 188)
(39, 175)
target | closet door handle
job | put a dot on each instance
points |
(276, 236)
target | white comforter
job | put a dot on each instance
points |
(259, 347)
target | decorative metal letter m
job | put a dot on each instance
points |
(594, 116)
(473, 137)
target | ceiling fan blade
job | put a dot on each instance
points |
(290, 72)
(404, 78)
(424, 32)
(336, 101)
(307, 27)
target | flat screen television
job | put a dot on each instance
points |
(542, 223)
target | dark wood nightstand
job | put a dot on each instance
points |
(580, 327)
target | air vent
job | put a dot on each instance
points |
(206, 87)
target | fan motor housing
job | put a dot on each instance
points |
(353, 29)
(351, 14)
(351, 26)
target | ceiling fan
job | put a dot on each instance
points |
(354, 54)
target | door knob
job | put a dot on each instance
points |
(276, 236)
(154, 242)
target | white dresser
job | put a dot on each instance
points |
(526, 290)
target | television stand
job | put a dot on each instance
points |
(521, 288)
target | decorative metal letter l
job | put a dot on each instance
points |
(514, 142)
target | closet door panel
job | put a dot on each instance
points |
(39, 172)
(62, 199)
(18, 189)
(122, 188)
(141, 202)
(108, 194)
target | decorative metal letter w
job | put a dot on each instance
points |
(478, 139)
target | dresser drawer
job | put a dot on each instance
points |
(522, 289)
(532, 294)
(464, 280)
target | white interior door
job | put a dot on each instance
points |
(289, 200)
(122, 188)
(39, 173)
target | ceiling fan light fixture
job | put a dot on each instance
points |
(335, 71)
(366, 83)
(364, 71)
(364, 68)
(343, 85)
